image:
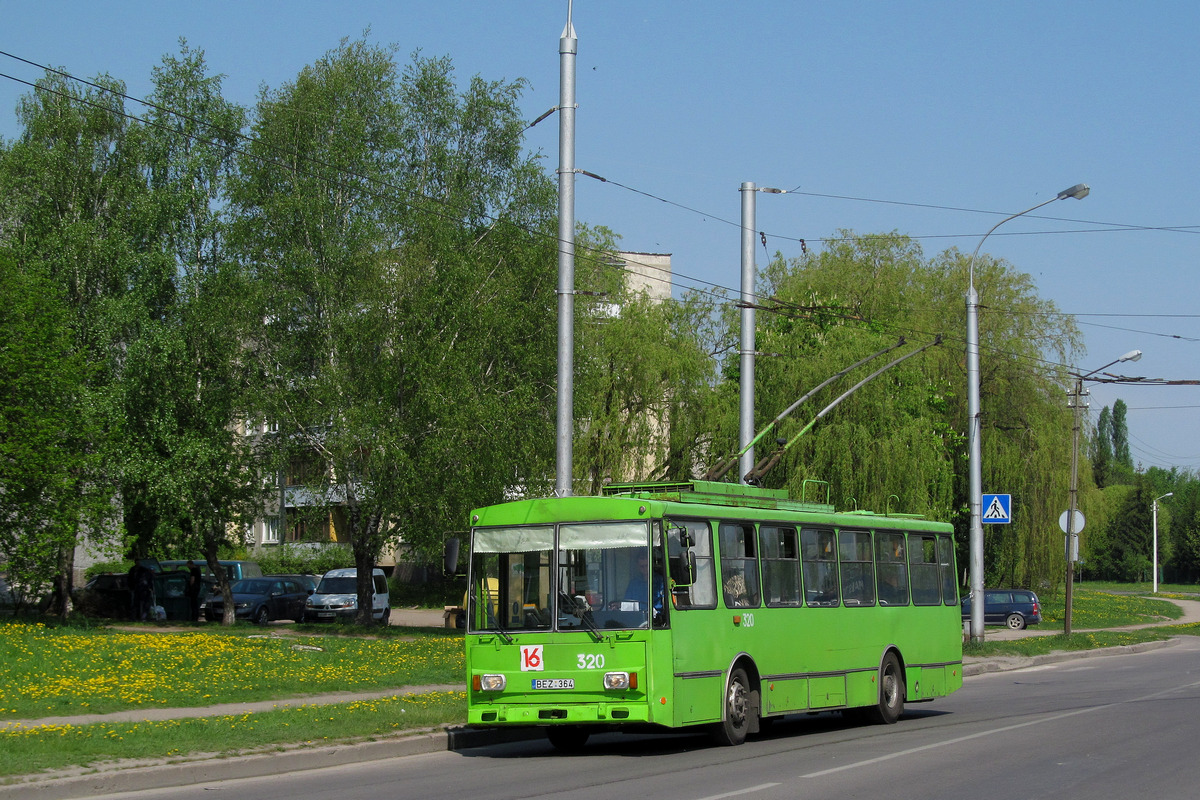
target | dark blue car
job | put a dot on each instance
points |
(1015, 608)
(262, 600)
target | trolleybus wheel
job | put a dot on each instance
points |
(891, 692)
(733, 728)
(568, 738)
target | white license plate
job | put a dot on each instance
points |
(553, 683)
(324, 613)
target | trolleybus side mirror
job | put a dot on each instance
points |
(683, 569)
(450, 557)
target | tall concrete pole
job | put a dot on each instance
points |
(567, 49)
(746, 416)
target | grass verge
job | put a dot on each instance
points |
(29, 751)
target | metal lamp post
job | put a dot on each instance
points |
(1154, 505)
(1073, 505)
(975, 468)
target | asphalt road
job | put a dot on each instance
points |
(1118, 726)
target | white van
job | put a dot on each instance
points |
(336, 597)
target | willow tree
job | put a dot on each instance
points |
(899, 443)
(644, 373)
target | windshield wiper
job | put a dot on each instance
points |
(584, 615)
(492, 621)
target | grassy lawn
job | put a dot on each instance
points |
(62, 671)
(1093, 608)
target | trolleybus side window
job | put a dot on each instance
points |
(780, 548)
(892, 565)
(945, 546)
(858, 568)
(693, 574)
(819, 562)
(517, 559)
(923, 564)
(739, 565)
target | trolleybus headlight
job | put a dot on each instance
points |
(490, 683)
(620, 680)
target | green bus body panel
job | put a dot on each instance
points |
(801, 659)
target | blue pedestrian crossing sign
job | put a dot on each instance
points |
(997, 508)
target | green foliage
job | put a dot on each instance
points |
(288, 559)
(1102, 449)
(46, 428)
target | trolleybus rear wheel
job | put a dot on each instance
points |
(735, 725)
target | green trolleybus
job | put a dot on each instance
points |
(703, 604)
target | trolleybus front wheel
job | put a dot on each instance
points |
(732, 729)
(891, 692)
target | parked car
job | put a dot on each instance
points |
(261, 600)
(1015, 608)
(234, 570)
(309, 582)
(336, 597)
(104, 595)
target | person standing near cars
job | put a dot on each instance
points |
(141, 590)
(195, 585)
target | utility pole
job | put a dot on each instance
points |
(1073, 501)
(746, 415)
(568, 46)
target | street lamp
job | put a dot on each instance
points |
(975, 469)
(1154, 505)
(1073, 505)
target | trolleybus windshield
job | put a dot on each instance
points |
(600, 575)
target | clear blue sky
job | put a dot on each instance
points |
(991, 107)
